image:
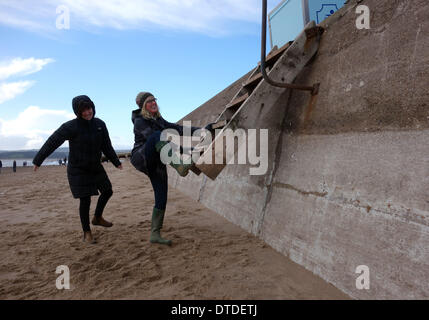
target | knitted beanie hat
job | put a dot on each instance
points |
(141, 98)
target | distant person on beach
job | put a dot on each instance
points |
(145, 156)
(60, 162)
(1, 165)
(88, 138)
(65, 161)
(14, 166)
(24, 164)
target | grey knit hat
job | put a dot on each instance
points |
(141, 98)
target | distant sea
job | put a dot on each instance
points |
(20, 162)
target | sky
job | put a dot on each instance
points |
(184, 52)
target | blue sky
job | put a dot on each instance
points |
(184, 52)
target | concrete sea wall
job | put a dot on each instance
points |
(348, 178)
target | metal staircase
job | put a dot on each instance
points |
(282, 64)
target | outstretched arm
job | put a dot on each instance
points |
(179, 127)
(62, 134)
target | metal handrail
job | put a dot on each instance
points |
(313, 89)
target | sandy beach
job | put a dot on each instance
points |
(210, 258)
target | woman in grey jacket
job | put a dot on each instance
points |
(145, 156)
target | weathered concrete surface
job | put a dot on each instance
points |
(348, 178)
(340, 201)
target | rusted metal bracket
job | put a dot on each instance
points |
(316, 31)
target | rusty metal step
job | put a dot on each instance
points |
(219, 124)
(195, 170)
(237, 101)
(274, 55)
(253, 82)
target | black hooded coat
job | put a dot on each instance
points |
(87, 140)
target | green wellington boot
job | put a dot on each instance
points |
(157, 221)
(177, 163)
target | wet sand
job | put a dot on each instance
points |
(210, 257)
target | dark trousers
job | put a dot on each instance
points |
(157, 171)
(85, 203)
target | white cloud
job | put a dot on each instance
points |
(9, 90)
(21, 67)
(195, 15)
(15, 68)
(31, 128)
(20, 22)
(203, 16)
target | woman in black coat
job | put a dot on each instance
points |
(88, 137)
(145, 156)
